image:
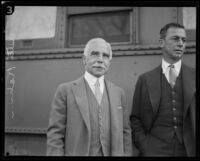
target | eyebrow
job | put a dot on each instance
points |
(179, 36)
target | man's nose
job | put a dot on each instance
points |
(100, 58)
(180, 42)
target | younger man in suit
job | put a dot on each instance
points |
(163, 110)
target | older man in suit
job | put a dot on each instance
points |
(88, 117)
(164, 103)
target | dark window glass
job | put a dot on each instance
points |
(112, 26)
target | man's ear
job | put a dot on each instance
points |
(161, 43)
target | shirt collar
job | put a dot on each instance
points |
(177, 66)
(92, 79)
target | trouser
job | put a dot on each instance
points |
(178, 148)
(157, 147)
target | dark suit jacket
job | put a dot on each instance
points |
(69, 131)
(146, 103)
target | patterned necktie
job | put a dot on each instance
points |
(172, 75)
(97, 92)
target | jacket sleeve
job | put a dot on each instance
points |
(138, 132)
(129, 148)
(57, 122)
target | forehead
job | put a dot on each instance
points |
(176, 32)
(99, 46)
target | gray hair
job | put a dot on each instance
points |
(97, 40)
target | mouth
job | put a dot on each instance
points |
(179, 51)
(98, 67)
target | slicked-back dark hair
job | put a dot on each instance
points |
(163, 30)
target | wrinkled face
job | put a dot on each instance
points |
(173, 45)
(97, 61)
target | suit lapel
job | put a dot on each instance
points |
(188, 87)
(113, 97)
(154, 88)
(80, 95)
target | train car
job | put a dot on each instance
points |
(44, 47)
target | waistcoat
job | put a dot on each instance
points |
(169, 119)
(100, 124)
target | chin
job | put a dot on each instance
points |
(177, 56)
(98, 74)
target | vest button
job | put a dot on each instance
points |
(175, 127)
(100, 116)
(101, 130)
(100, 123)
(173, 101)
(174, 109)
(175, 119)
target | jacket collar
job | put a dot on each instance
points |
(154, 87)
(79, 91)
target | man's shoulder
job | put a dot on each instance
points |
(66, 85)
(191, 69)
(110, 83)
(151, 72)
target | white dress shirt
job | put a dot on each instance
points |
(165, 68)
(92, 80)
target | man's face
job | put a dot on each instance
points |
(97, 61)
(173, 45)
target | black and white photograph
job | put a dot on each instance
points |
(99, 80)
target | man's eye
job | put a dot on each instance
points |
(178, 39)
(106, 55)
(184, 40)
(94, 53)
(175, 38)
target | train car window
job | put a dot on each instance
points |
(188, 18)
(29, 24)
(115, 27)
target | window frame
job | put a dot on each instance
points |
(133, 12)
(191, 33)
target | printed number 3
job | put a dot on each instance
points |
(9, 10)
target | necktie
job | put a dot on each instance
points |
(172, 75)
(97, 92)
